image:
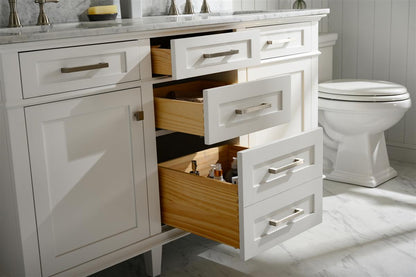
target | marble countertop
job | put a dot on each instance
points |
(145, 24)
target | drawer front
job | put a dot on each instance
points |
(235, 110)
(68, 69)
(270, 169)
(285, 40)
(272, 221)
(208, 54)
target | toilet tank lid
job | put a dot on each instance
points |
(361, 87)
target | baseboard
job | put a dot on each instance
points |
(401, 153)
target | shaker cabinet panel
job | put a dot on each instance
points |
(206, 54)
(89, 179)
(52, 71)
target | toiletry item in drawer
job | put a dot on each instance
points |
(275, 199)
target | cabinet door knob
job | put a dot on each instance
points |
(139, 116)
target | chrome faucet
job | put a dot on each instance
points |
(205, 8)
(43, 18)
(189, 8)
(173, 10)
(14, 20)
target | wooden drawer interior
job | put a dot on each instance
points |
(161, 60)
(199, 204)
(161, 52)
(186, 112)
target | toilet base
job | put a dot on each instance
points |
(362, 180)
(360, 160)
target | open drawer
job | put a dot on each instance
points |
(206, 54)
(289, 203)
(223, 112)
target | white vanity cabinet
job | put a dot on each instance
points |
(78, 136)
(80, 187)
(89, 178)
(279, 190)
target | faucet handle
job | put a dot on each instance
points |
(43, 18)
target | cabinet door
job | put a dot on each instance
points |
(88, 169)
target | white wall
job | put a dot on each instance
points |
(377, 41)
(157, 7)
(62, 12)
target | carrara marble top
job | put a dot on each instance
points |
(145, 24)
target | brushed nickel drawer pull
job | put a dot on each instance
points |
(260, 107)
(295, 163)
(84, 68)
(221, 54)
(296, 212)
(279, 41)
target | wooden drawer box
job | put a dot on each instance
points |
(284, 40)
(67, 69)
(290, 196)
(202, 55)
(226, 111)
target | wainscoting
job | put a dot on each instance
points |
(377, 41)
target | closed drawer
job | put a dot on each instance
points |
(280, 218)
(218, 211)
(68, 69)
(224, 112)
(201, 55)
(283, 40)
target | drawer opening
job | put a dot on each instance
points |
(179, 107)
(198, 204)
(161, 52)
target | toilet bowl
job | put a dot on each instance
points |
(354, 115)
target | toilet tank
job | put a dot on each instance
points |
(326, 45)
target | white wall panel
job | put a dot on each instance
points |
(377, 41)
(285, 4)
(410, 120)
(365, 43)
(335, 26)
(350, 38)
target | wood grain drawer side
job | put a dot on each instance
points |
(60, 70)
(198, 204)
(216, 209)
(284, 40)
(207, 54)
(225, 111)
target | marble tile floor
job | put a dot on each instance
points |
(365, 232)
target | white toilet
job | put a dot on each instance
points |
(354, 115)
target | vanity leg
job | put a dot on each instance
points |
(153, 261)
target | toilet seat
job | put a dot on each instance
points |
(362, 91)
